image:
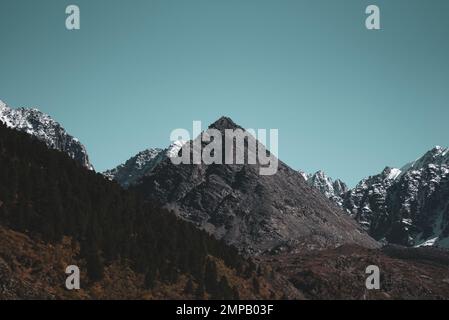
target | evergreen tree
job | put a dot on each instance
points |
(210, 277)
(95, 266)
(256, 285)
(150, 277)
(225, 290)
(200, 291)
(188, 289)
(235, 292)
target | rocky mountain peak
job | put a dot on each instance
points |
(225, 123)
(333, 190)
(339, 187)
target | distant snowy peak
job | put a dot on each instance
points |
(385, 178)
(134, 168)
(130, 172)
(142, 158)
(407, 206)
(326, 185)
(43, 127)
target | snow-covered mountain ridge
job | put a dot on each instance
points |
(407, 206)
(130, 172)
(43, 127)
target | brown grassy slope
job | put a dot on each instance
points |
(32, 269)
(340, 273)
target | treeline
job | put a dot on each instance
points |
(46, 194)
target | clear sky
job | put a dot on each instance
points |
(346, 100)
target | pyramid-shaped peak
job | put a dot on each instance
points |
(224, 123)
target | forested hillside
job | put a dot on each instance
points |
(49, 197)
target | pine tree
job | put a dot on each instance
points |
(200, 291)
(150, 277)
(256, 285)
(188, 289)
(236, 294)
(225, 290)
(210, 277)
(95, 266)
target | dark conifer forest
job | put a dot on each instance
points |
(47, 195)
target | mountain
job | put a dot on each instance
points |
(43, 127)
(254, 212)
(55, 213)
(407, 206)
(330, 188)
(130, 172)
(370, 196)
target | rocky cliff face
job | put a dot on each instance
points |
(44, 128)
(253, 212)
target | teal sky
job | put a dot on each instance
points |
(345, 99)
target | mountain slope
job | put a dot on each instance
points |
(43, 127)
(253, 212)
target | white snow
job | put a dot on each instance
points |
(394, 173)
(43, 127)
(428, 243)
(304, 175)
(446, 151)
(174, 148)
(407, 221)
